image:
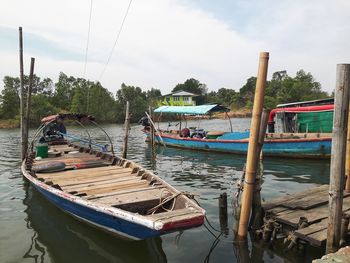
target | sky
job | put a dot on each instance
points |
(165, 42)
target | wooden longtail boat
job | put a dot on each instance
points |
(108, 192)
(294, 145)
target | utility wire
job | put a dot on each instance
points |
(88, 40)
(116, 40)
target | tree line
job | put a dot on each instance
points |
(78, 95)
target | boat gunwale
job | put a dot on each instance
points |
(267, 140)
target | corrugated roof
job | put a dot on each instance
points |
(196, 110)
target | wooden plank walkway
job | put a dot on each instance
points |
(310, 205)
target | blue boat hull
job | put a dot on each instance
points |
(296, 148)
(98, 219)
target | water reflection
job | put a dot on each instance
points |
(65, 239)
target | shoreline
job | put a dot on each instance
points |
(243, 113)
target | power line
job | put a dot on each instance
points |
(88, 39)
(116, 40)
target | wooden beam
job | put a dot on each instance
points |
(336, 186)
(24, 144)
(126, 126)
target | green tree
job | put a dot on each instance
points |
(64, 93)
(9, 98)
(193, 86)
(137, 99)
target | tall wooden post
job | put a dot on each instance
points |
(249, 182)
(126, 125)
(29, 97)
(24, 143)
(347, 162)
(336, 185)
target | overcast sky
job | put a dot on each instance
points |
(165, 42)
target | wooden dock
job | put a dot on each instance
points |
(304, 213)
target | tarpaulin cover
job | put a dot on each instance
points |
(321, 121)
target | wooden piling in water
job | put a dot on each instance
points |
(127, 127)
(249, 182)
(257, 215)
(336, 185)
(223, 212)
(347, 162)
(24, 143)
(28, 104)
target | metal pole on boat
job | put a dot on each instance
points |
(29, 97)
(249, 182)
(24, 143)
(126, 126)
(336, 185)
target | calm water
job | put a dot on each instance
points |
(33, 230)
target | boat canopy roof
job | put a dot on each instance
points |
(306, 103)
(67, 116)
(195, 110)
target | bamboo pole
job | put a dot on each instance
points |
(249, 182)
(126, 125)
(29, 97)
(256, 218)
(24, 143)
(336, 185)
(347, 163)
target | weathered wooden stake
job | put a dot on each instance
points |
(223, 212)
(336, 185)
(347, 162)
(28, 104)
(256, 218)
(126, 125)
(24, 143)
(249, 182)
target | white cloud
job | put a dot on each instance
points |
(165, 42)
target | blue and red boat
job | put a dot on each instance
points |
(103, 190)
(282, 144)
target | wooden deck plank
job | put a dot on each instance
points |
(101, 182)
(308, 202)
(295, 196)
(131, 198)
(314, 214)
(89, 180)
(312, 233)
(114, 189)
(167, 216)
(87, 174)
(66, 157)
(109, 186)
(82, 172)
(119, 192)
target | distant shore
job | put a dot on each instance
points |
(9, 124)
(242, 113)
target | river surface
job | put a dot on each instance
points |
(34, 230)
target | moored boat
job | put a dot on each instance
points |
(103, 190)
(295, 145)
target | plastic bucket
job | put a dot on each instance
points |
(42, 150)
